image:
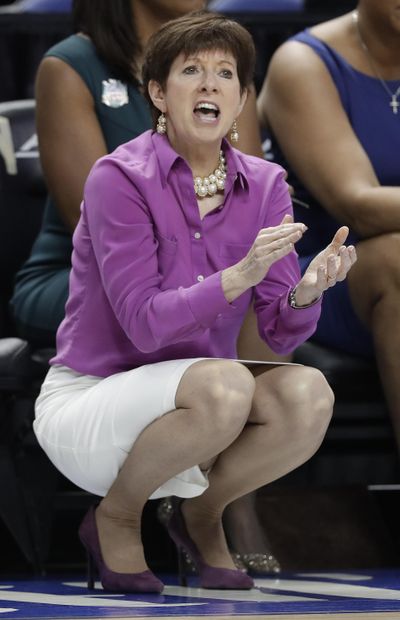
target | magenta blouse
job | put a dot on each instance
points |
(145, 284)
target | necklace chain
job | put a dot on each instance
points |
(214, 182)
(394, 104)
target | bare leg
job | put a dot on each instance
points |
(291, 410)
(374, 285)
(214, 400)
(244, 531)
(251, 347)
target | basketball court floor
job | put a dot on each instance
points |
(369, 595)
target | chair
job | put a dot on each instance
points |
(22, 196)
(28, 480)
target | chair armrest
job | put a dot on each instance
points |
(14, 364)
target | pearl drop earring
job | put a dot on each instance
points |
(162, 124)
(234, 132)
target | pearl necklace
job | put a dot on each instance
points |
(215, 181)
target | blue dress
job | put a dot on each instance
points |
(367, 106)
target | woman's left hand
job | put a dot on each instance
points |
(331, 265)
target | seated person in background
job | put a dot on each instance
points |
(178, 232)
(89, 101)
(331, 97)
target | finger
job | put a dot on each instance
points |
(331, 268)
(282, 230)
(264, 250)
(287, 218)
(353, 254)
(276, 239)
(270, 256)
(321, 278)
(344, 263)
(339, 238)
(347, 258)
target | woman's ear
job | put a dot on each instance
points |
(157, 95)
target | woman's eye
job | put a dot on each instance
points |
(190, 70)
(226, 73)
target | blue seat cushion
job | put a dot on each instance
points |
(247, 6)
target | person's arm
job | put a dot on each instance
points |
(300, 103)
(70, 137)
(287, 306)
(271, 268)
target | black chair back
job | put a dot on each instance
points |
(22, 196)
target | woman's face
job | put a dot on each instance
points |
(201, 99)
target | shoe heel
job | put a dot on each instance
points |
(144, 581)
(211, 577)
(90, 571)
(182, 568)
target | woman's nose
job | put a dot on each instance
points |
(209, 82)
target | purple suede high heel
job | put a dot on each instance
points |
(114, 582)
(210, 577)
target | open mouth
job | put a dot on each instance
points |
(206, 111)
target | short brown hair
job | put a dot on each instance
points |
(190, 34)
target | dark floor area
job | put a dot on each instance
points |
(329, 528)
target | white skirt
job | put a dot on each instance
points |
(87, 425)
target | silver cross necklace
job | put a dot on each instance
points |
(394, 104)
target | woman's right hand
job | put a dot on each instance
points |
(270, 245)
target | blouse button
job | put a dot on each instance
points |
(200, 278)
(197, 235)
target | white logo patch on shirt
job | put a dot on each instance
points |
(115, 93)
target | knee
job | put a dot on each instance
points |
(310, 401)
(316, 401)
(382, 262)
(227, 396)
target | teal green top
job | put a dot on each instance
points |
(42, 283)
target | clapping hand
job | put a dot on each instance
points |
(270, 245)
(275, 242)
(331, 265)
